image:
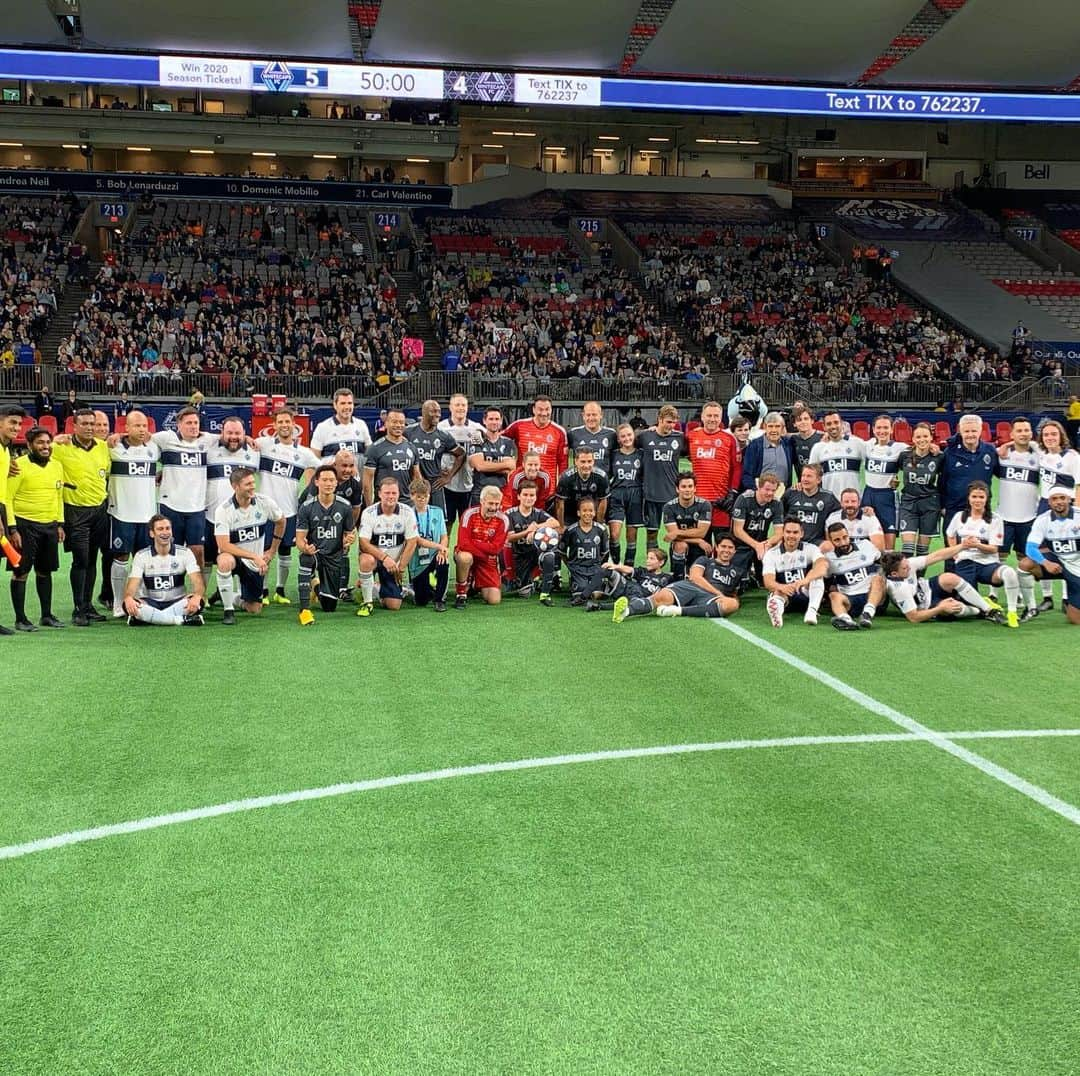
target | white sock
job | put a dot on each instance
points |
(966, 611)
(967, 593)
(118, 572)
(367, 586)
(1027, 588)
(1047, 588)
(149, 615)
(225, 587)
(284, 563)
(815, 592)
(1012, 586)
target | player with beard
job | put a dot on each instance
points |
(858, 587)
(861, 523)
(230, 452)
(341, 430)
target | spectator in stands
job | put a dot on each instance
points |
(44, 404)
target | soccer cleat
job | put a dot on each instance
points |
(80, 620)
(844, 623)
(439, 607)
(366, 609)
(774, 606)
(135, 622)
(215, 598)
(810, 618)
(25, 625)
(1030, 613)
(345, 594)
(995, 605)
(525, 591)
(306, 617)
(278, 599)
(618, 614)
(866, 622)
(265, 598)
(1011, 619)
(577, 600)
(228, 618)
(995, 616)
(51, 622)
(407, 593)
(94, 616)
(668, 610)
(1046, 605)
(193, 620)
(5, 631)
(460, 601)
(545, 599)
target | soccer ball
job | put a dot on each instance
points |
(545, 538)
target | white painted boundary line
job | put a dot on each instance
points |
(196, 814)
(942, 740)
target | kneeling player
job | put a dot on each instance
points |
(154, 592)
(921, 599)
(1053, 547)
(388, 534)
(858, 586)
(624, 581)
(584, 547)
(429, 569)
(794, 575)
(529, 561)
(324, 532)
(709, 590)
(482, 534)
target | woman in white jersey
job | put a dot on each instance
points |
(1059, 465)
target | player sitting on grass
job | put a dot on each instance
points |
(857, 586)
(624, 581)
(154, 593)
(709, 590)
(584, 547)
(324, 532)
(794, 575)
(945, 595)
(528, 560)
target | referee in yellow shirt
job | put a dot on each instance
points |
(11, 416)
(37, 498)
(86, 462)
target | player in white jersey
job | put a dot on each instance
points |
(285, 467)
(341, 431)
(862, 525)
(240, 527)
(1059, 465)
(183, 479)
(794, 575)
(132, 499)
(1018, 487)
(155, 592)
(857, 586)
(469, 436)
(981, 534)
(882, 458)
(388, 534)
(222, 459)
(1054, 547)
(840, 455)
(945, 595)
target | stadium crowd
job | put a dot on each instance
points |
(811, 516)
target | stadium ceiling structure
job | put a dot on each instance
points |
(994, 44)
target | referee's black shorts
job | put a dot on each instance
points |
(86, 529)
(40, 547)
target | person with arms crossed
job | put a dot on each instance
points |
(1054, 546)
(528, 561)
(324, 531)
(388, 534)
(625, 507)
(11, 416)
(477, 558)
(341, 430)
(429, 569)
(593, 434)
(239, 528)
(840, 455)
(857, 586)
(495, 458)
(794, 575)
(36, 499)
(945, 595)
(687, 523)
(155, 591)
(661, 448)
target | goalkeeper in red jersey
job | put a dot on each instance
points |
(481, 537)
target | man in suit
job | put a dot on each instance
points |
(772, 453)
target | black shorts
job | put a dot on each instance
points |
(625, 505)
(919, 516)
(586, 580)
(1016, 536)
(251, 582)
(86, 528)
(40, 547)
(654, 513)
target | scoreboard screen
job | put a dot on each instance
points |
(489, 87)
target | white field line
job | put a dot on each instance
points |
(279, 799)
(941, 740)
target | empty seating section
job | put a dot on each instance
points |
(490, 238)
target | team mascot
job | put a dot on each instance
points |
(747, 402)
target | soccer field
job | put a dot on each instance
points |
(814, 880)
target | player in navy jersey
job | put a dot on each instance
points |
(584, 547)
(661, 448)
(626, 508)
(393, 455)
(810, 504)
(494, 459)
(920, 499)
(581, 480)
(625, 581)
(687, 522)
(594, 435)
(528, 561)
(709, 590)
(434, 445)
(324, 531)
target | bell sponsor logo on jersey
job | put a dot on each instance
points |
(163, 582)
(329, 533)
(140, 470)
(247, 534)
(191, 459)
(283, 470)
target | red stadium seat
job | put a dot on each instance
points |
(120, 426)
(902, 431)
(48, 422)
(861, 428)
(259, 405)
(942, 432)
(987, 435)
(24, 426)
(1003, 432)
(69, 426)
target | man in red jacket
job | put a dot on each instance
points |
(539, 434)
(481, 536)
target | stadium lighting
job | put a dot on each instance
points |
(202, 152)
(69, 145)
(554, 149)
(607, 138)
(13, 144)
(418, 160)
(505, 134)
(262, 153)
(657, 138)
(705, 141)
(525, 134)
(139, 149)
(492, 145)
(749, 142)
(727, 141)
(324, 156)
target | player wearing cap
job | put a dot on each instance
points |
(1054, 547)
(793, 573)
(155, 591)
(388, 535)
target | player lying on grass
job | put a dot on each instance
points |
(623, 581)
(945, 595)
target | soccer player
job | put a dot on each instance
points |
(858, 588)
(945, 595)
(342, 430)
(584, 547)
(810, 504)
(480, 540)
(920, 498)
(532, 470)
(740, 430)
(1054, 547)
(625, 507)
(1018, 487)
(284, 465)
(434, 446)
(231, 451)
(528, 560)
(36, 498)
(429, 569)
(980, 534)
(805, 436)
(861, 523)
(493, 461)
(324, 531)
(11, 416)
(388, 534)
(839, 454)
(753, 517)
(86, 466)
(687, 522)
(155, 590)
(883, 456)
(626, 581)
(132, 499)
(794, 575)
(239, 528)
(1059, 465)
(712, 453)
(710, 590)
(539, 434)
(349, 488)
(183, 479)
(661, 447)
(581, 480)
(468, 436)
(393, 456)
(593, 434)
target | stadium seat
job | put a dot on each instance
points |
(902, 431)
(120, 425)
(987, 434)
(24, 426)
(259, 405)
(69, 426)
(1003, 432)
(942, 432)
(861, 428)
(48, 422)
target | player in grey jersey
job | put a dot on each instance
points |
(324, 532)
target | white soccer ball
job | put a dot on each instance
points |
(545, 538)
